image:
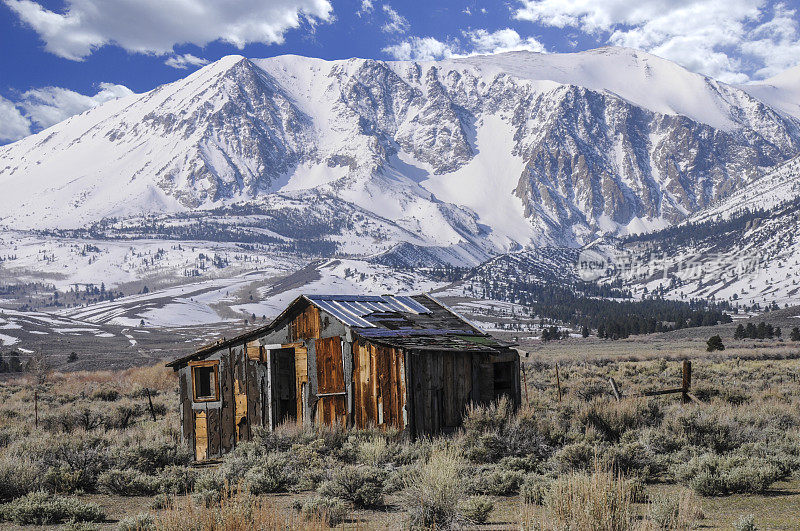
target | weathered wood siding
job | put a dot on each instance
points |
(306, 325)
(442, 384)
(331, 393)
(379, 386)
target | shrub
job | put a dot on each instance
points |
(331, 510)
(139, 522)
(105, 394)
(493, 432)
(601, 500)
(152, 455)
(17, 477)
(711, 474)
(434, 489)
(39, 508)
(127, 483)
(270, 474)
(73, 462)
(210, 480)
(162, 501)
(745, 523)
(177, 480)
(396, 479)
(476, 509)
(706, 428)
(675, 511)
(373, 449)
(496, 481)
(575, 456)
(534, 488)
(360, 485)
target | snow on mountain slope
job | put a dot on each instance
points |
(643, 79)
(480, 155)
(766, 193)
(781, 92)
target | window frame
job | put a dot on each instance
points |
(215, 387)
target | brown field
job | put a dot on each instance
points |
(589, 460)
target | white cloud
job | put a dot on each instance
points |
(477, 42)
(396, 23)
(504, 40)
(13, 125)
(156, 26)
(366, 8)
(717, 38)
(182, 62)
(420, 49)
(40, 108)
(776, 42)
(49, 105)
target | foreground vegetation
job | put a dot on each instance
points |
(587, 461)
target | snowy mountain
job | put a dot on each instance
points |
(469, 157)
(744, 248)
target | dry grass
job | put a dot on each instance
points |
(432, 493)
(237, 511)
(587, 502)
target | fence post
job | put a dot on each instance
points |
(150, 401)
(525, 383)
(686, 384)
(558, 383)
(614, 388)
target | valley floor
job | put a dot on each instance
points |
(749, 420)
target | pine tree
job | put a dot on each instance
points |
(714, 343)
(585, 331)
(739, 333)
(795, 335)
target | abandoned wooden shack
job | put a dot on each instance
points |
(406, 362)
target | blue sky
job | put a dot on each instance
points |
(59, 57)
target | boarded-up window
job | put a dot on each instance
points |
(205, 381)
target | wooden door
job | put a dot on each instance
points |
(200, 435)
(240, 409)
(301, 380)
(379, 387)
(331, 392)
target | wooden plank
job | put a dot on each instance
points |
(253, 351)
(253, 397)
(358, 392)
(214, 432)
(475, 392)
(240, 411)
(400, 379)
(301, 374)
(408, 390)
(200, 435)
(448, 393)
(227, 421)
(382, 372)
(186, 403)
(330, 379)
(663, 392)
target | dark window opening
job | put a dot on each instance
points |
(205, 383)
(504, 379)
